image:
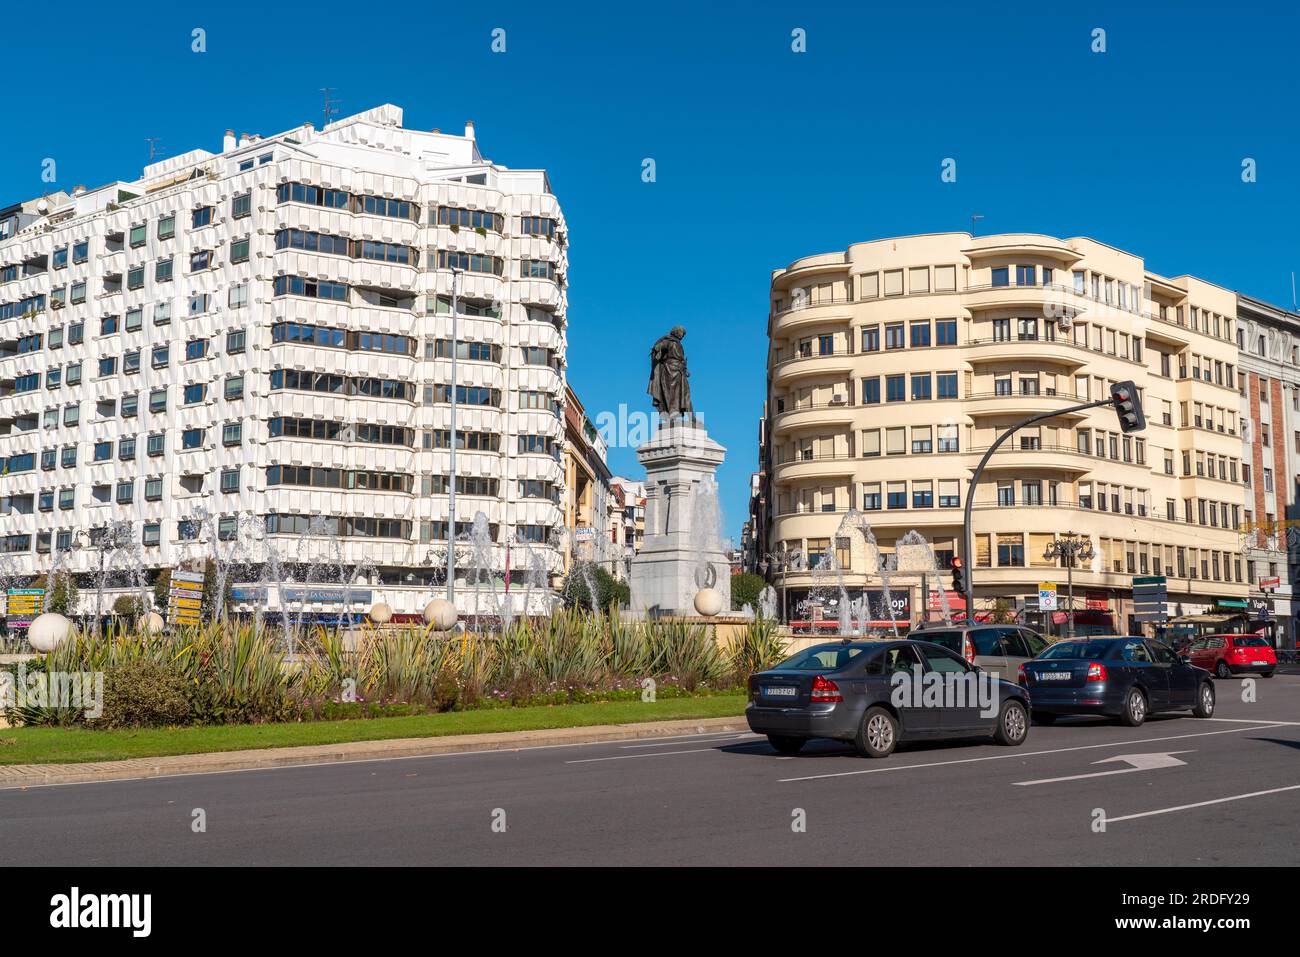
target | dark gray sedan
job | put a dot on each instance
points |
(878, 693)
(1128, 678)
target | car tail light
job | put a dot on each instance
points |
(1096, 671)
(1020, 675)
(968, 650)
(824, 689)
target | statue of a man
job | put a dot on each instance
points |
(670, 388)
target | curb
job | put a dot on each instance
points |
(19, 776)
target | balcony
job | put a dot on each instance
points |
(1058, 351)
(816, 467)
(1021, 404)
(813, 414)
(801, 367)
(1167, 331)
(1065, 458)
(1044, 299)
(1012, 246)
(824, 312)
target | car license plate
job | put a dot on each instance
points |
(1259, 662)
(780, 691)
(1054, 676)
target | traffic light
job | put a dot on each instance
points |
(1128, 407)
(958, 576)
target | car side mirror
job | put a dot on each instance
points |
(1185, 659)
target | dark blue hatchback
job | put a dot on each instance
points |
(1128, 678)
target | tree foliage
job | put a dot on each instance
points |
(745, 589)
(609, 590)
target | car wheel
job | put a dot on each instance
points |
(1013, 724)
(786, 745)
(1135, 708)
(878, 734)
(1266, 674)
(1044, 717)
(1222, 669)
(1204, 700)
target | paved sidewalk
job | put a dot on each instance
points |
(37, 775)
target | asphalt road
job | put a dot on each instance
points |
(724, 799)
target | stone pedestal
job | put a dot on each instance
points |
(663, 579)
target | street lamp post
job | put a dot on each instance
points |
(1072, 548)
(451, 478)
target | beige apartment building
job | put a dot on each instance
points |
(895, 364)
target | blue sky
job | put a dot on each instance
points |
(763, 155)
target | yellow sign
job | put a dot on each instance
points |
(187, 602)
(186, 586)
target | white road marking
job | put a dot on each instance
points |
(660, 744)
(1025, 754)
(649, 754)
(1139, 762)
(1249, 720)
(660, 754)
(1187, 807)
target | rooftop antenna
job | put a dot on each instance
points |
(1293, 308)
(974, 218)
(330, 108)
(153, 142)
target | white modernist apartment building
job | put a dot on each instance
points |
(248, 353)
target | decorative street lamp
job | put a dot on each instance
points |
(1073, 548)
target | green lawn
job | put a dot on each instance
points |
(67, 745)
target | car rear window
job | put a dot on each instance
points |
(1076, 649)
(820, 658)
(1251, 641)
(948, 639)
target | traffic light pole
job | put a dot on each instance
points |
(968, 533)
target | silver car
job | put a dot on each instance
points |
(1001, 649)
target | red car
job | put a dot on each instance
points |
(1228, 655)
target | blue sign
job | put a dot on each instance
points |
(325, 596)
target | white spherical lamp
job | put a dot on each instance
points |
(440, 614)
(708, 602)
(381, 613)
(153, 623)
(48, 631)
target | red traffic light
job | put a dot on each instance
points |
(1124, 396)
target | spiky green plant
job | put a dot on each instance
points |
(627, 651)
(686, 652)
(758, 647)
(239, 674)
(336, 661)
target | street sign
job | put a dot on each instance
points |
(1047, 596)
(1269, 582)
(1150, 598)
(22, 606)
(185, 597)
